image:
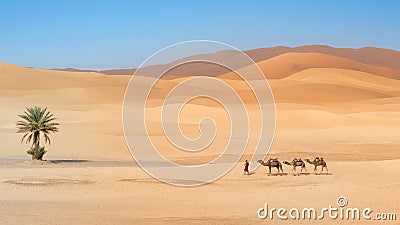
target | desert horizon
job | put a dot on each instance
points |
(350, 110)
(331, 98)
(199, 112)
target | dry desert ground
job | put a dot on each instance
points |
(344, 110)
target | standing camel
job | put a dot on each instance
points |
(318, 161)
(272, 163)
(295, 163)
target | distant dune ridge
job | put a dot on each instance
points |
(340, 103)
(368, 55)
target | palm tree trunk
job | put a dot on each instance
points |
(37, 144)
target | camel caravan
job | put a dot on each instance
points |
(296, 162)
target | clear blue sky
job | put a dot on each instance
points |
(121, 34)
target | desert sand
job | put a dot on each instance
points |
(115, 193)
(330, 106)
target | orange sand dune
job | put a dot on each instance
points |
(290, 63)
(368, 55)
(21, 78)
(312, 101)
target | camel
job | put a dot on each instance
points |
(272, 163)
(318, 161)
(295, 163)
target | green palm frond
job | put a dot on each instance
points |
(36, 121)
(37, 152)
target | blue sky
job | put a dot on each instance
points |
(121, 34)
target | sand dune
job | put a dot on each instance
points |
(274, 68)
(21, 78)
(88, 105)
(313, 92)
(323, 86)
(286, 64)
(368, 55)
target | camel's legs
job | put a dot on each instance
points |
(326, 168)
(315, 170)
(303, 167)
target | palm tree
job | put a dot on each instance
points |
(36, 121)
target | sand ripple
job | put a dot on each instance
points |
(46, 182)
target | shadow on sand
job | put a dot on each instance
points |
(326, 174)
(301, 174)
(277, 174)
(58, 161)
(250, 173)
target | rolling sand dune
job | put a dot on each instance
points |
(368, 55)
(87, 104)
(307, 101)
(284, 65)
(330, 106)
(289, 63)
(20, 78)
